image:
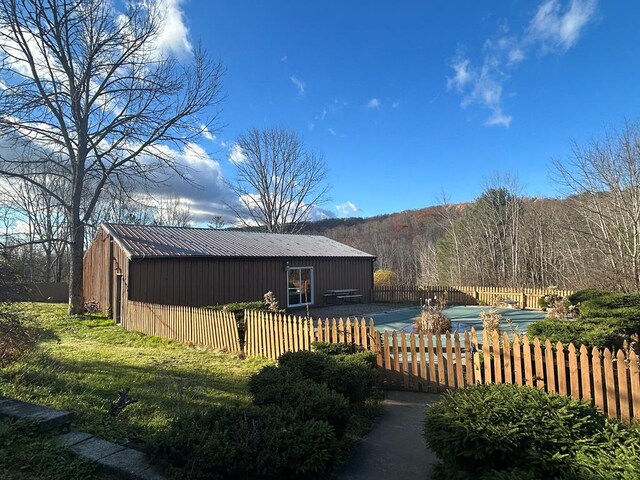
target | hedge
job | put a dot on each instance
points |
(247, 442)
(512, 432)
(605, 320)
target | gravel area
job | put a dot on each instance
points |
(351, 310)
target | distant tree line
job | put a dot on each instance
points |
(588, 238)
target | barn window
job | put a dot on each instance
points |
(300, 289)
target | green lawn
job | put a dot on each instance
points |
(80, 364)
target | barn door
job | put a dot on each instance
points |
(300, 286)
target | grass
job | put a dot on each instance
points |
(26, 455)
(80, 364)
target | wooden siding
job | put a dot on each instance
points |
(96, 284)
(102, 260)
(216, 281)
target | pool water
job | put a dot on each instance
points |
(462, 319)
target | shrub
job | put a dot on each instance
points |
(600, 332)
(584, 295)
(561, 308)
(309, 400)
(490, 320)
(432, 317)
(247, 442)
(546, 301)
(311, 365)
(384, 277)
(612, 453)
(502, 427)
(16, 338)
(334, 348)
(612, 305)
(271, 374)
(368, 357)
(239, 307)
(352, 376)
(242, 306)
(271, 302)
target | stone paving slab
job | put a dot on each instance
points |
(123, 461)
(71, 438)
(95, 448)
(127, 460)
(46, 418)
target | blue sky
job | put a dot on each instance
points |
(410, 99)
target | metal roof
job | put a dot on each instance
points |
(143, 241)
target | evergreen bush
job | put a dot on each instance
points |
(247, 442)
(307, 399)
(312, 365)
(502, 427)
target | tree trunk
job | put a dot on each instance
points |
(76, 294)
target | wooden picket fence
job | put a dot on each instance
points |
(436, 363)
(200, 326)
(270, 335)
(421, 362)
(428, 363)
(464, 295)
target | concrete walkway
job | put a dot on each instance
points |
(394, 449)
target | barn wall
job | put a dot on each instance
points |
(209, 281)
(95, 281)
(101, 261)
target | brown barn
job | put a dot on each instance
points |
(198, 266)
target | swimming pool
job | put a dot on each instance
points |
(462, 319)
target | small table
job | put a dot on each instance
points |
(343, 294)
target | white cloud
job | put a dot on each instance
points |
(462, 75)
(300, 85)
(283, 59)
(206, 133)
(195, 155)
(173, 37)
(237, 155)
(554, 28)
(395, 104)
(347, 208)
(373, 103)
(202, 189)
(317, 213)
(498, 118)
(332, 131)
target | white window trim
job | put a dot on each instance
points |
(312, 287)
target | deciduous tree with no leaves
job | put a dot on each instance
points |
(89, 96)
(278, 180)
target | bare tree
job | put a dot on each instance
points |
(172, 212)
(217, 222)
(604, 178)
(44, 225)
(88, 95)
(278, 180)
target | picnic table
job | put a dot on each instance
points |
(342, 295)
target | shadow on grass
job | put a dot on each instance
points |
(164, 389)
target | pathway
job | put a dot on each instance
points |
(394, 449)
